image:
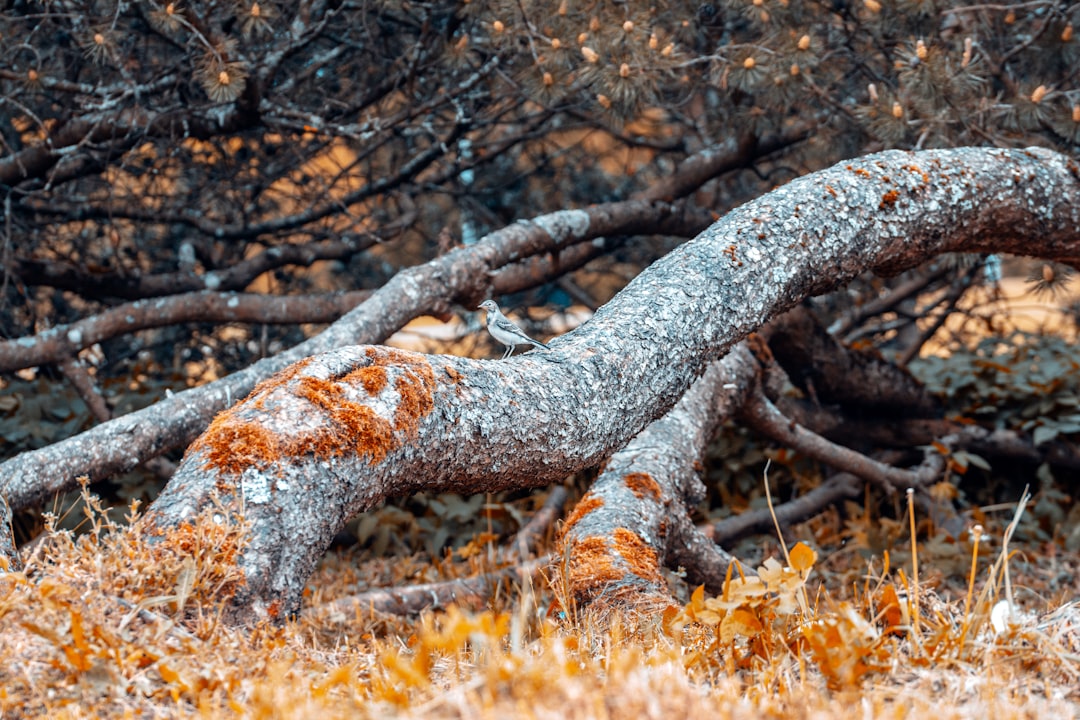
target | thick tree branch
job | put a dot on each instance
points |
(635, 517)
(364, 424)
(463, 275)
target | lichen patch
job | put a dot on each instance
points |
(342, 417)
(642, 484)
(591, 566)
(638, 555)
(585, 506)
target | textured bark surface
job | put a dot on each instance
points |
(9, 555)
(325, 440)
(464, 275)
(64, 341)
(508, 260)
(635, 518)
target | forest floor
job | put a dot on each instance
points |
(847, 623)
(103, 625)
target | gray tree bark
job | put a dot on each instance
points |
(338, 433)
(635, 517)
(515, 257)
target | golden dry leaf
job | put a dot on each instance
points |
(740, 623)
(890, 611)
(845, 647)
(750, 591)
(802, 557)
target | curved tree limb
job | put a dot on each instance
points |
(761, 415)
(635, 517)
(417, 598)
(61, 341)
(338, 433)
(464, 275)
(134, 287)
(804, 507)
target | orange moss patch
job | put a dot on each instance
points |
(642, 484)
(584, 507)
(888, 199)
(355, 426)
(415, 387)
(638, 555)
(590, 566)
(372, 379)
(453, 374)
(231, 445)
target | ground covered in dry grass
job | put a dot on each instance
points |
(104, 625)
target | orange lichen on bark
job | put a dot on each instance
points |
(919, 171)
(590, 566)
(585, 506)
(416, 390)
(638, 555)
(372, 379)
(353, 426)
(642, 484)
(593, 564)
(888, 199)
(233, 444)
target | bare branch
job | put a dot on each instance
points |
(62, 341)
(761, 415)
(751, 522)
(417, 598)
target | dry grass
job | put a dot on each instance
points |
(111, 625)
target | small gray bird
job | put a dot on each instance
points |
(506, 332)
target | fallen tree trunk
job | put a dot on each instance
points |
(123, 443)
(337, 434)
(505, 260)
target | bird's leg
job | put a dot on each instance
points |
(509, 351)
